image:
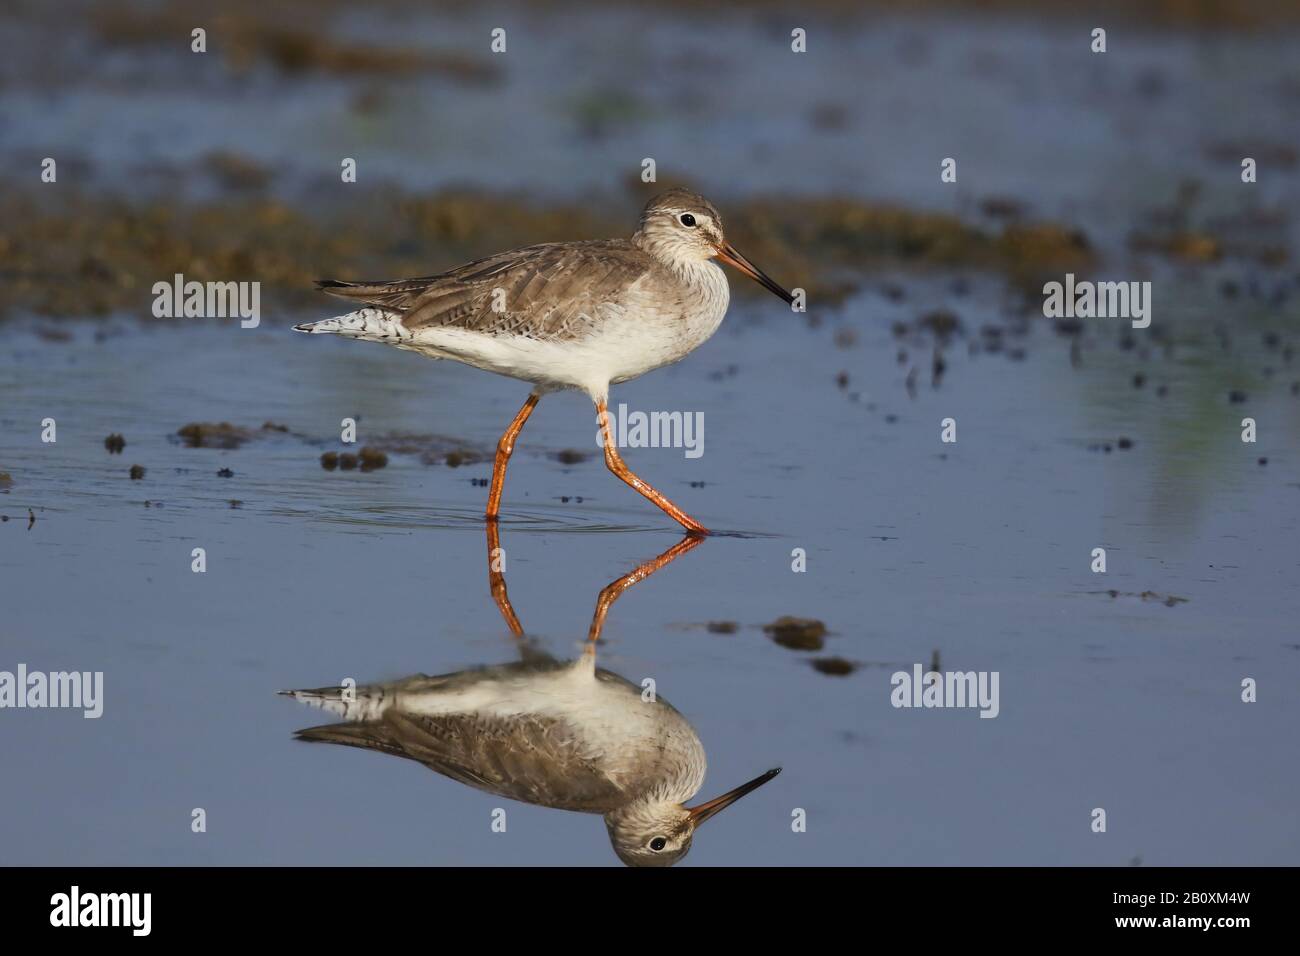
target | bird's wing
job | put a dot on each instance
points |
(551, 291)
(528, 758)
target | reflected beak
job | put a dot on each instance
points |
(705, 810)
(728, 254)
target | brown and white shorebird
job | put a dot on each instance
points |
(562, 734)
(566, 315)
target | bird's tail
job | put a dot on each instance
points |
(350, 702)
(377, 325)
(351, 735)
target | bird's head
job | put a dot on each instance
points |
(680, 227)
(655, 832)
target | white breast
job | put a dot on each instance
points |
(659, 328)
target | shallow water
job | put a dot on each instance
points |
(979, 550)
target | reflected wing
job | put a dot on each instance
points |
(531, 759)
(551, 291)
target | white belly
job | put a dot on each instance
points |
(643, 332)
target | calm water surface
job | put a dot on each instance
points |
(978, 550)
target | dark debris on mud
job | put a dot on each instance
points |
(367, 459)
(833, 666)
(1168, 600)
(223, 435)
(797, 633)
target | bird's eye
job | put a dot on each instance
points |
(658, 843)
(687, 219)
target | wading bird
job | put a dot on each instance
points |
(566, 315)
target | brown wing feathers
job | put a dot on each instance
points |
(547, 291)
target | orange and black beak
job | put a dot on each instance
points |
(728, 254)
(717, 805)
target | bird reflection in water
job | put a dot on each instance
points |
(563, 734)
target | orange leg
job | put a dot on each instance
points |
(505, 447)
(497, 580)
(608, 595)
(614, 462)
(614, 589)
